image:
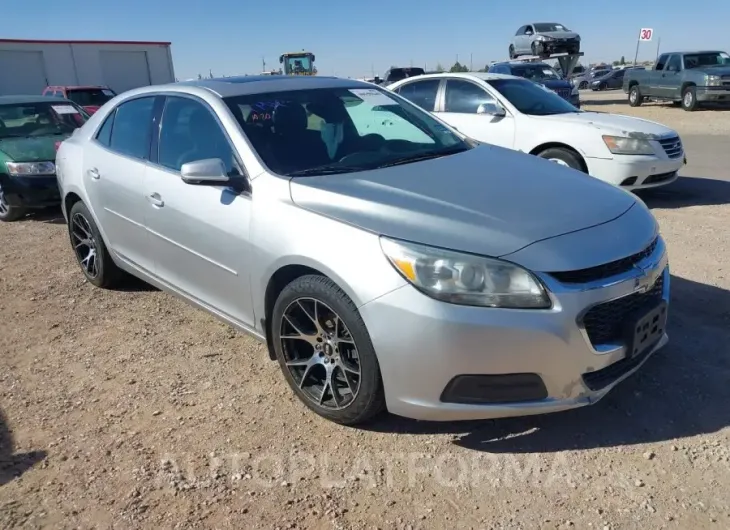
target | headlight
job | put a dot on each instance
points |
(620, 145)
(577, 37)
(713, 80)
(543, 38)
(31, 169)
(465, 279)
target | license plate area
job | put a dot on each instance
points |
(648, 327)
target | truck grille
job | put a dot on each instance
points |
(606, 270)
(672, 146)
(604, 323)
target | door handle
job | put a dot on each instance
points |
(156, 200)
(94, 173)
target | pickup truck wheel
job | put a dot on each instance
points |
(563, 157)
(635, 97)
(689, 99)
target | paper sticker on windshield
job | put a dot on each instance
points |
(372, 96)
(64, 109)
(107, 92)
(548, 71)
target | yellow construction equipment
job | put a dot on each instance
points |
(298, 63)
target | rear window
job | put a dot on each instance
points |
(90, 97)
(396, 74)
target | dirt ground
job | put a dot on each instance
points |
(129, 409)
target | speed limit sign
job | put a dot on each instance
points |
(645, 34)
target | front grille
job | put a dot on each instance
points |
(563, 92)
(672, 146)
(605, 323)
(725, 77)
(607, 270)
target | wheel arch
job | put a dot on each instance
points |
(686, 85)
(560, 145)
(282, 277)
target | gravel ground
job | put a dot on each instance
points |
(129, 409)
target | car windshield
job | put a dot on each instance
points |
(89, 97)
(21, 120)
(697, 60)
(531, 99)
(546, 28)
(536, 72)
(339, 130)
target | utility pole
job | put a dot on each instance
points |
(411, 63)
(263, 63)
(471, 62)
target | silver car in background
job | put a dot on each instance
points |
(543, 39)
(385, 260)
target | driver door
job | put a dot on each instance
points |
(199, 232)
(460, 103)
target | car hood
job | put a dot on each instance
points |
(488, 200)
(615, 124)
(556, 83)
(559, 34)
(91, 109)
(31, 149)
(715, 70)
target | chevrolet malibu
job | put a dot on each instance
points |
(386, 261)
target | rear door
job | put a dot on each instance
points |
(422, 93)
(115, 162)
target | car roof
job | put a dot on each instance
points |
(20, 100)
(693, 52)
(484, 76)
(518, 63)
(259, 84)
(78, 87)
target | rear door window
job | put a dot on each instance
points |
(130, 135)
(421, 93)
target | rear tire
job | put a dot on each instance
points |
(9, 213)
(689, 99)
(91, 253)
(563, 157)
(512, 52)
(320, 340)
(635, 97)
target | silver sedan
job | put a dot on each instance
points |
(386, 260)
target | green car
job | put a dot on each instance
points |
(31, 128)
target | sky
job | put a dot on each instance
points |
(362, 38)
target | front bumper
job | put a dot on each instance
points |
(636, 172)
(30, 192)
(438, 342)
(719, 94)
(558, 46)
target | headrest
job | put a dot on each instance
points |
(291, 118)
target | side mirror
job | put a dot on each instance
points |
(208, 171)
(491, 109)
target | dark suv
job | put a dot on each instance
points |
(542, 74)
(396, 74)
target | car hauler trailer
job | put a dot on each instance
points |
(28, 66)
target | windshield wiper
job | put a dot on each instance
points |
(331, 169)
(423, 156)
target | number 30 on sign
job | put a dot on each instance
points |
(645, 34)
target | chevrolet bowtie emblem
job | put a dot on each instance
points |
(645, 281)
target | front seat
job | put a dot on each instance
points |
(295, 146)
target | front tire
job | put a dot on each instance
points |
(583, 85)
(689, 99)
(512, 52)
(91, 253)
(635, 97)
(535, 49)
(9, 213)
(325, 351)
(564, 157)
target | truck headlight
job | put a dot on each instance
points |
(621, 145)
(714, 80)
(465, 279)
(31, 169)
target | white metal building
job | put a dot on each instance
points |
(28, 66)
